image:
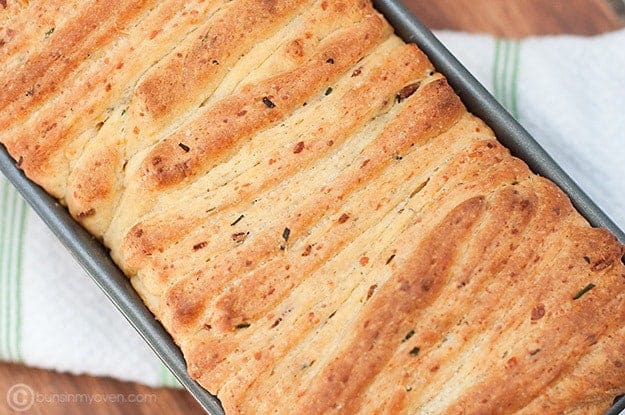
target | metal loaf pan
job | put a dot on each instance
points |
(95, 260)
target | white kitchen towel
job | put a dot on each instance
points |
(568, 91)
(52, 315)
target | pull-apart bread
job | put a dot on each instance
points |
(309, 209)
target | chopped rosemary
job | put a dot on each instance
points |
(584, 291)
(307, 365)
(408, 336)
(243, 325)
(286, 233)
(268, 102)
(415, 351)
(238, 220)
(184, 147)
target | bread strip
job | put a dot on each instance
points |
(595, 381)
(26, 28)
(548, 353)
(445, 335)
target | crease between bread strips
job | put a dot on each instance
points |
(558, 346)
(38, 18)
(498, 319)
(36, 79)
(480, 261)
(418, 227)
(310, 210)
(584, 380)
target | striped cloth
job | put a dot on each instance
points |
(13, 211)
(505, 74)
(51, 313)
(569, 92)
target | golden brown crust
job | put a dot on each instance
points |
(349, 229)
(594, 381)
(38, 77)
(310, 210)
(168, 88)
(553, 344)
(249, 299)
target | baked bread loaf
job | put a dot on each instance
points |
(310, 211)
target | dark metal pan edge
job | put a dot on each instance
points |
(94, 258)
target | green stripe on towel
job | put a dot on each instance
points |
(12, 226)
(505, 74)
(168, 379)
